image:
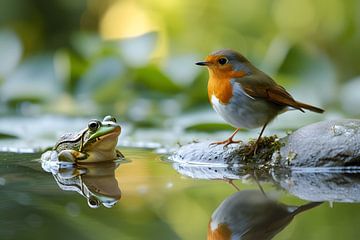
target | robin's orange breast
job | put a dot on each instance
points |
(221, 88)
(219, 84)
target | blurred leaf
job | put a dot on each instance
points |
(350, 97)
(296, 19)
(62, 65)
(210, 127)
(137, 51)
(78, 66)
(308, 64)
(182, 69)
(102, 76)
(148, 123)
(7, 136)
(152, 78)
(111, 89)
(314, 70)
(87, 44)
(33, 79)
(11, 51)
(18, 101)
(196, 93)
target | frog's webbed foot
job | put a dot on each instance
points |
(71, 155)
(119, 154)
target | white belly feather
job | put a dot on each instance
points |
(243, 111)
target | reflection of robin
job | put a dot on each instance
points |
(251, 215)
(244, 96)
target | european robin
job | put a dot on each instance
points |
(244, 96)
(250, 215)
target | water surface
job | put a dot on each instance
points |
(156, 202)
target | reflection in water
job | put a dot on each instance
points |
(96, 182)
(249, 214)
(335, 185)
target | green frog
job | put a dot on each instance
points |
(96, 143)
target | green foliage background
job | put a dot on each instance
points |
(136, 58)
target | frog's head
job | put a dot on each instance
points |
(96, 143)
(101, 137)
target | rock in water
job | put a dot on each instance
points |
(334, 143)
(200, 153)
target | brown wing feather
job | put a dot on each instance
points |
(281, 96)
(278, 94)
(270, 91)
(260, 85)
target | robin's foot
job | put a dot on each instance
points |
(226, 142)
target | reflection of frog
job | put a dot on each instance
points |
(96, 143)
(96, 182)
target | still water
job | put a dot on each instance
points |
(157, 199)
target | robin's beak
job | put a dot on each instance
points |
(203, 63)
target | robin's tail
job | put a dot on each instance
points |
(309, 107)
(305, 207)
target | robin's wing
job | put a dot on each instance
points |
(264, 87)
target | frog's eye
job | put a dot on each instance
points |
(109, 119)
(93, 125)
(93, 202)
(222, 61)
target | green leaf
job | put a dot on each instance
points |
(102, 82)
(7, 136)
(11, 50)
(209, 127)
(151, 78)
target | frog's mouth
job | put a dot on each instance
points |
(105, 131)
(104, 140)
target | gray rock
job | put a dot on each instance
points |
(204, 161)
(319, 162)
(331, 143)
(334, 143)
(200, 153)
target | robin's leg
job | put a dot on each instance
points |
(231, 182)
(255, 146)
(229, 140)
(258, 183)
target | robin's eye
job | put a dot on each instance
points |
(222, 61)
(93, 125)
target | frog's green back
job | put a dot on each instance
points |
(68, 141)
